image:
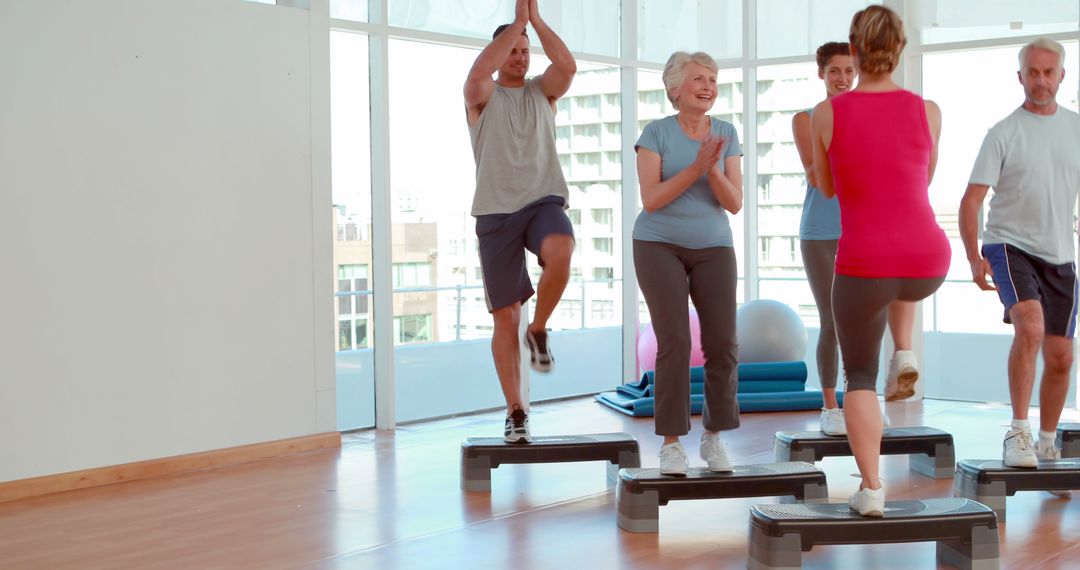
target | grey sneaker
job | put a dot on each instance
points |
(517, 427)
(712, 451)
(832, 421)
(1018, 450)
(1052, 454)
(673, 460)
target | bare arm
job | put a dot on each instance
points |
(656, 194)
(933, 118)
(727, 186)
(555, 81)
(479, 85)
(969, 233)
(821, 125)
(800, 127)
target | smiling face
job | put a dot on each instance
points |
(516, 65)
(698, 89)
(838, 74)
(1041, 76)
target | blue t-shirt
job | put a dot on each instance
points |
(820, 215)
(695, 219)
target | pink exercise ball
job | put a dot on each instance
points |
(646, 345)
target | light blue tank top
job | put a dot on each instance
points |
(820, 215)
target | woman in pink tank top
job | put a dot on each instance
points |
(875, 148)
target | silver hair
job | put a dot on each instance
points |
(1046, 44)
(675, 70)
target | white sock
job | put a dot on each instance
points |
(1047, 439)
(1021, 425)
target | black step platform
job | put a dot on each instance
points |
(1068, 440)
(931, 449)
(641, 491)
(965, 531)
(479, 455)
(989, 481)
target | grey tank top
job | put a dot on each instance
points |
(514, 146)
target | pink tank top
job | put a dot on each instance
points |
(879, 154)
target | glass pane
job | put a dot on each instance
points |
(798, 27)
(590, 114)
(961, 20)
(666, 26)
(351, 181)
(355, 10)
(585, 27)
(783, 90)
(947, 79)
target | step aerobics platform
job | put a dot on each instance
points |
(641, 491)
(965, 531)
(479, 455)
(1068, 440)
(989, 481)
(931, 449)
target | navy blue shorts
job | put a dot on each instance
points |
(503, 239)
(1020, 276)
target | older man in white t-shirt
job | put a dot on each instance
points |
(1032, 160)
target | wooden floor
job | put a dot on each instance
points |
(392, 500)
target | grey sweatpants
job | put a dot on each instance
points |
(861, 311)
(667, 274)
(819, 259)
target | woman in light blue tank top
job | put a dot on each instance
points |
(819, 232)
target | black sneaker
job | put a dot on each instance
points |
(517, 426)
(541, 358)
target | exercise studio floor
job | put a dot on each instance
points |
(392, 500)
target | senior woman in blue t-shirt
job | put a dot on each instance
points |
(690, 175)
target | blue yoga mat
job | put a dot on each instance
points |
(753, 377)
(744, 388)
(748, 402)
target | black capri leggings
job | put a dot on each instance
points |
(861, 312)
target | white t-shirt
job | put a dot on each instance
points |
(1033, 164)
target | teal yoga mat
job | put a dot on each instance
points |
(748, 402)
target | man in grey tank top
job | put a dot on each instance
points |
(521, 195)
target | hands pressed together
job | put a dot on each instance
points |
(709, 153)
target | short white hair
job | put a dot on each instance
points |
(675, 70)
(1046, 44)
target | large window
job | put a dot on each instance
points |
(440, 318)
(665, 26)
(589, 27)
(786, 28)
(938, 21)
(351, 194)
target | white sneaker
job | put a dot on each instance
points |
(516, 429)
(1052, 454)
(832, 421)
(673, 460)
(712, 451)
(868, 502)
(903, 374)
(1018, 450)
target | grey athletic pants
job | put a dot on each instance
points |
(819, 259)
(667, 274)
(861, 312)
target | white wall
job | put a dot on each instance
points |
(158, 225)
